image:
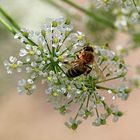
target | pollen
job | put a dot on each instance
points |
(14, 66)
(60, 58)
(31, 52)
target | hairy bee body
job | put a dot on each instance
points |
(76, 70)
(80, 66)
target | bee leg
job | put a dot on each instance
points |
(77, 56)
(65, 94)
(98, 70)
(65, 62)
(88, 70)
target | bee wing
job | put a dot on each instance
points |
(98, 70)
(75, 63)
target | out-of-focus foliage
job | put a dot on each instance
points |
(123, 14)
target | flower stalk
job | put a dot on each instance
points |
(100, 19)
(11, 21)
(5, 24)
(133, 1)
(12, 26)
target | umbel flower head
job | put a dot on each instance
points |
(49, 53)
(125, 12)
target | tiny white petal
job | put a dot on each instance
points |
(28, 47)
(6, 63)
(30, 81)
(28, 69)
(12, 59)
(23, 52)
(114, 97)
(21, 82)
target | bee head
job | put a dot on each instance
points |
(88, 48)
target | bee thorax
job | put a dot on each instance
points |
(87, 57)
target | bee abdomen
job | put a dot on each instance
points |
(75, 71)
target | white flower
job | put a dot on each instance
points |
(27, 33)
(55, 48)
(29, 50)
(86, 112)
(121, 23)
(26, 86)
(134, 18)
(73, 124)
(17, 36)
(12, 64)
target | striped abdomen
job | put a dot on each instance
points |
(76, 70)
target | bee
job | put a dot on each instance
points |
(81, 64)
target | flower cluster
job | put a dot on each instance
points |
(48, 54)
(126, 12)
(12, 64)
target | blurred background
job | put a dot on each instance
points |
(31, 117)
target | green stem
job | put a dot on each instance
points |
(94, 16)
(61, 8)
(80, 108)
(66, 49)
(46, 67)
(105, 68)
(106, 80)
(12, 30)
(61, 69)
(88, 101)
(133, 1)
(5, 14)
(77, 97)
(53, 48)
(107, 108)
(70, 102)
(104, 88)
(12, 26)
(47, 45)
(59, 47)
(97, 113)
